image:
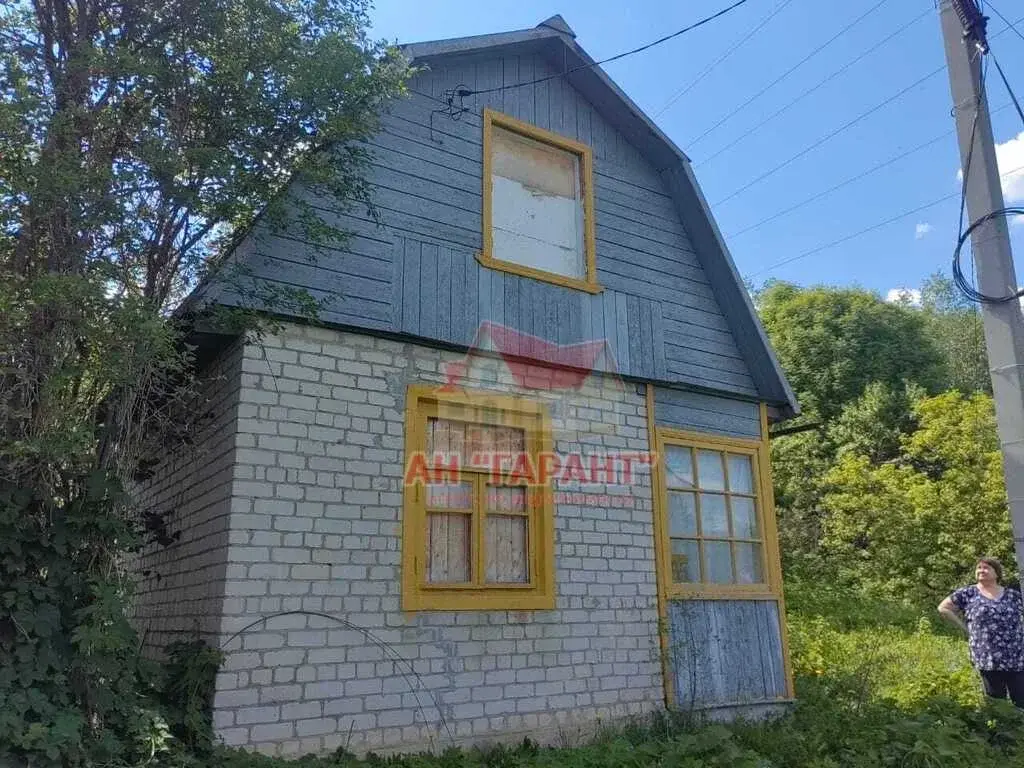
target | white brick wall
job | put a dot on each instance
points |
(316, 526)
(180, 591)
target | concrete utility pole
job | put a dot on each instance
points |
(1004, 323)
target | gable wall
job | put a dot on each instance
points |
(417, 273)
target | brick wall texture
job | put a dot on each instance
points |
(180, 589)
(315, 526)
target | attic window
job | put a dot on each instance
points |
(538, 207)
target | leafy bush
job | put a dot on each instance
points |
(73, 688)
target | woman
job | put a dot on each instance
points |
(990, 614)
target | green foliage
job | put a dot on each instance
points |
(72, 687)
(187, 693)
(137, 142)
(955, 326)
(833, 342)
(913, 527)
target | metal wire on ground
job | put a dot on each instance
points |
(390, 652)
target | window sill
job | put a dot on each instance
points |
(538, 274)
(708, 592)
(472, 600)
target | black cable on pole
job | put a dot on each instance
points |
(974, 23)
(958, 276)
(616, 57)
(1007, 84)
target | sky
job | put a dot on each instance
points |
(681, 86)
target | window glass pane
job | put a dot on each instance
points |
(679, 466)
(744, 518)
(506, 499)
(450, 496)
(717, 562)
(536, 204)
(472, 444)
(506, 546)
(710, 471)
(448, 548)
(682, 514)
(685, 561)
(714, 521)
(748, 563)
(741, 474)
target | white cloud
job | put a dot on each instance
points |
(1010, 158)
(1017, 220)
(899, 295)
(1010, 155)
(922, 229)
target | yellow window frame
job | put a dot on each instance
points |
(477, 407)
(585, 154)
(771, 588)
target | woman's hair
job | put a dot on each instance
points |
(995, 565)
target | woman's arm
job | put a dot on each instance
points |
(952, 614)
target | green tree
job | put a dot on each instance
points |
(914, 526)
(955, 327)
(855, 363)
(137, 140)
(833, 342)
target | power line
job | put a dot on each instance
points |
(874, 169)
(1006, 83)
(728, 52)
(829, 136)
(867, 230)
(1011, 24)
(863, 174)
(814, 88)
(788, 72)
(659, 41)
(831, 77)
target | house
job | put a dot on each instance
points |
(516, 481)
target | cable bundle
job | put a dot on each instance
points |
(961, 280)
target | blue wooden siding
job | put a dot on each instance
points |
(416, 272)
(725, 652)
(701, 412)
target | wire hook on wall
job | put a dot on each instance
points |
(454, 109)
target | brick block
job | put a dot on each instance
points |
(316, 727)
(249, 715)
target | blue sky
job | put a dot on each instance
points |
(900, 254)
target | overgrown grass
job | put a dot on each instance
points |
(879, 684)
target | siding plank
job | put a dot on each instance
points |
(725, 651)
(443, 329)
(410, 289)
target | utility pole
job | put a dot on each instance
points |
(963, 30)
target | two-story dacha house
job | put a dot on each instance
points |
(516, 482)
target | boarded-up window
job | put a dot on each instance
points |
(538, 206)
(713, 523)
(476, 535)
